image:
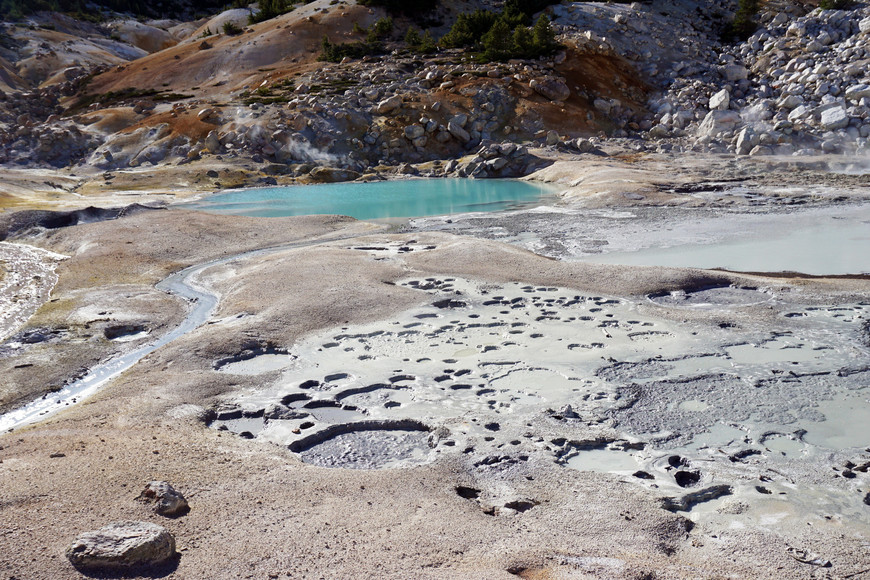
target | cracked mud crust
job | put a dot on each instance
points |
(491, 484)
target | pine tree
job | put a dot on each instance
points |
(498, 43)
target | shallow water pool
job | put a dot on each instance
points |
(383, 199)
(833, 242)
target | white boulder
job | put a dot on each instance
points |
(717, 122)
(834, 118)
(720, 101)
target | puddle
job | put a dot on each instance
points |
(335, 415)
(779, 350)
(811, 243)
(694, 405)
(784, 444)
(603, 460)
(849, 424)
(379, 200)
(258, 365)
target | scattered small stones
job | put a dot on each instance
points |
(807, 557)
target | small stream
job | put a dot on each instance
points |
(182, 284)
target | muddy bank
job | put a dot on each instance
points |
(492, 494)
(105, 303)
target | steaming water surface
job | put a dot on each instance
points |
(821, 244)
(384, 199)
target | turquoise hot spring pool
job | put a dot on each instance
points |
(378, 200)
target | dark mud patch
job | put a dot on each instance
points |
(367, 445)
(686, 502)
(711, 297)
(21, 222)
(247, 353)
(122, 331)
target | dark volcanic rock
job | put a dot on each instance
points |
(167, 500)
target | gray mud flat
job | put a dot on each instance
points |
(379, 446)
(470, 409)
(810, 237)
(483, 362)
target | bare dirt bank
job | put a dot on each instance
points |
(258, 511)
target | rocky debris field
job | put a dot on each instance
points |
(798, 85)
(27, 275)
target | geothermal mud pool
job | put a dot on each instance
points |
(809, 237)
(745, 420)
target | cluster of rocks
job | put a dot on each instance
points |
(359, 115)
(799, 85)
(131, 546)
(55, 142)
(652, 35)
(496, 160)
(32, 128)
(404, 110)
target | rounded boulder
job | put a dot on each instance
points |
(122, 546)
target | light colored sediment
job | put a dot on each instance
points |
(106, 285)
(26, 279)
(256, 509)
(520, 501)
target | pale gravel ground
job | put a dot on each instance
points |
(257, 511)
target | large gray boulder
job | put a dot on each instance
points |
(388, 105)
(858, 92)
(332, 174)
(457, 131)
(718, 122)
(720, 101)
(835, 118)
(746, 140)
(414, 132)
(734, 72)
(552, 89)
(122, 546)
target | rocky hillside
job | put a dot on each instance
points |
(655, 74)
(800, 84)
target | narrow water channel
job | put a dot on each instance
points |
(182, 284)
